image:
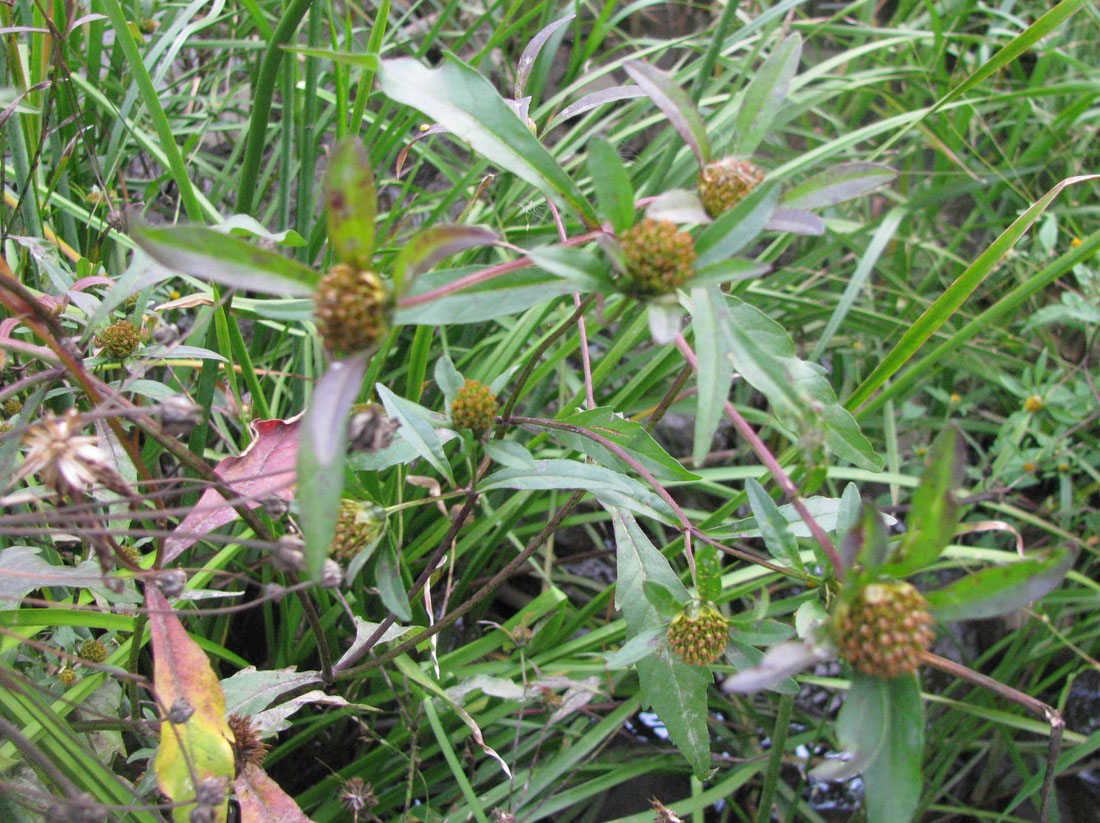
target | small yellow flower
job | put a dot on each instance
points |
(1029, 467)
(955, 398)
(1033, 404)
(1075, 242)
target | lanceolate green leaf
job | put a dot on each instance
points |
(715, 368)
(892, 781)
(1000, 589)
(935, 514)
(764, 354)
(456, 96)
(630, 435)
(837, 184)
(508, 294)
(708, 572)
(736, 228)
(221, 258)
(765, 94)
(778, 539)
(677, 692)
(352, 204)
(614, 193)
(428, 247)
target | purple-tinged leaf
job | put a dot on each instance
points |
(679, 206)
(837, 184)
(220, 258)
(262, 800)
(676, 105)
(765, 94)
(779, 663)
(428, 247)
(321, 455)
(997, 590)
(531, 54)
(795, 221)
(352, 204)
(595, 99)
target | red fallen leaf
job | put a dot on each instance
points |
(262, 801)
(265, 469)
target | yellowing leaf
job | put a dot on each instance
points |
(198, 747)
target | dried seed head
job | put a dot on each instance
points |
(92, 651)
(359, 525)
(351, 308)
(699, 634)
(12, 406)
(658, 256)
(332, 575)
(287, 554)
(371, 430)
(663, 814)
(247, 745)
(179, 414)
(474, 408)
(171, 582)
(67, 677)
(65, 460)
(725, 183)
(119, 340)
(357, 796)
(884, 630)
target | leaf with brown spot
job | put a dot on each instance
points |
(265, 469)
(198, 747)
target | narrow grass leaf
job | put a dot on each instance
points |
(594, 100)
(949, 302)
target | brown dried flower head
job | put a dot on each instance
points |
(699, 634)
(658, 256)
(247, 745)
(352, 308)
(12, 406)
(884, 630)
(65, 460)
(357, 795)
(725, 183)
